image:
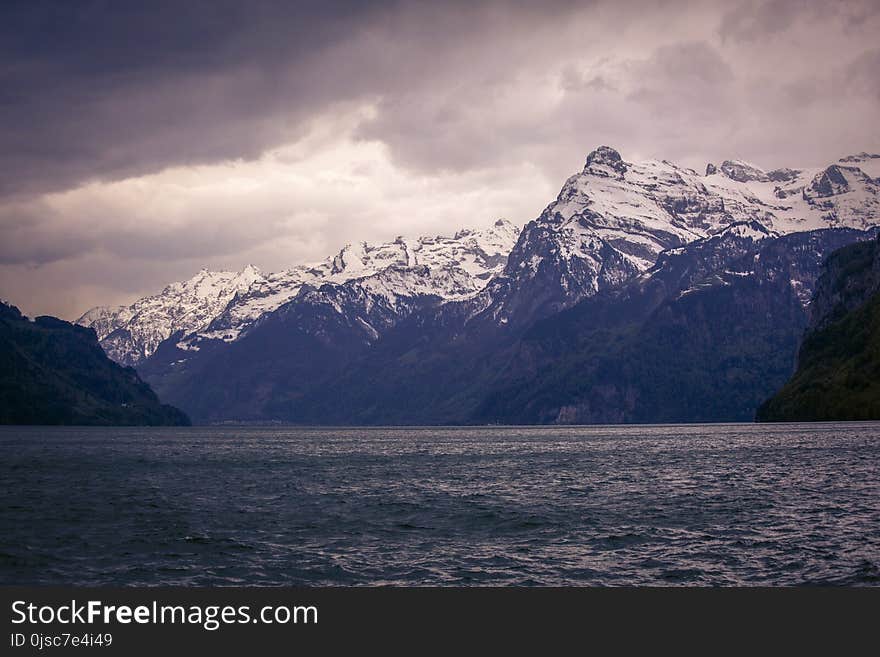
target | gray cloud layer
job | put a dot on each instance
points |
(220, 132)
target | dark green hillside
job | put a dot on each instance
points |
(54, 372)
(838, 376)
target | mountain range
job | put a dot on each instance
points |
(221, 305)
(644, 292)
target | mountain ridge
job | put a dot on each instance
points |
(403, 321)
(221, 305)
(609, 222)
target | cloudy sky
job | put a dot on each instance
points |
(141, 141)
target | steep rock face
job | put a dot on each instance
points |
(849, 278)
(54, 372)
(830, 182)
(605, 156)
(838, 374)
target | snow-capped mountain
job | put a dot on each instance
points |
(705, 335)
(419, 330)
(608, 224)
(451, 268)
(131, 333)
(844, 194)
(223, 305)
(611, 221)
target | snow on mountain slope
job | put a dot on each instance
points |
(611, 220)
(459, 266)
(221, 305)
(609, 223)
(842, 195)
(131, 333)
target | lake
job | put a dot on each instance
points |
(738, 504)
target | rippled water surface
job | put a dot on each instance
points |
(663, 505)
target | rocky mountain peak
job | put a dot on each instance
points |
(607, 156)
(250, 270)
(743, 171)
(829, 182)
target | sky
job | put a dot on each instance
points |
(142, 141)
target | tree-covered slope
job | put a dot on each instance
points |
(838, 375)
(54, 372)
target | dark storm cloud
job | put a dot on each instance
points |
(115, 89)
(112, 89)
(108, 90)
(220, 133)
